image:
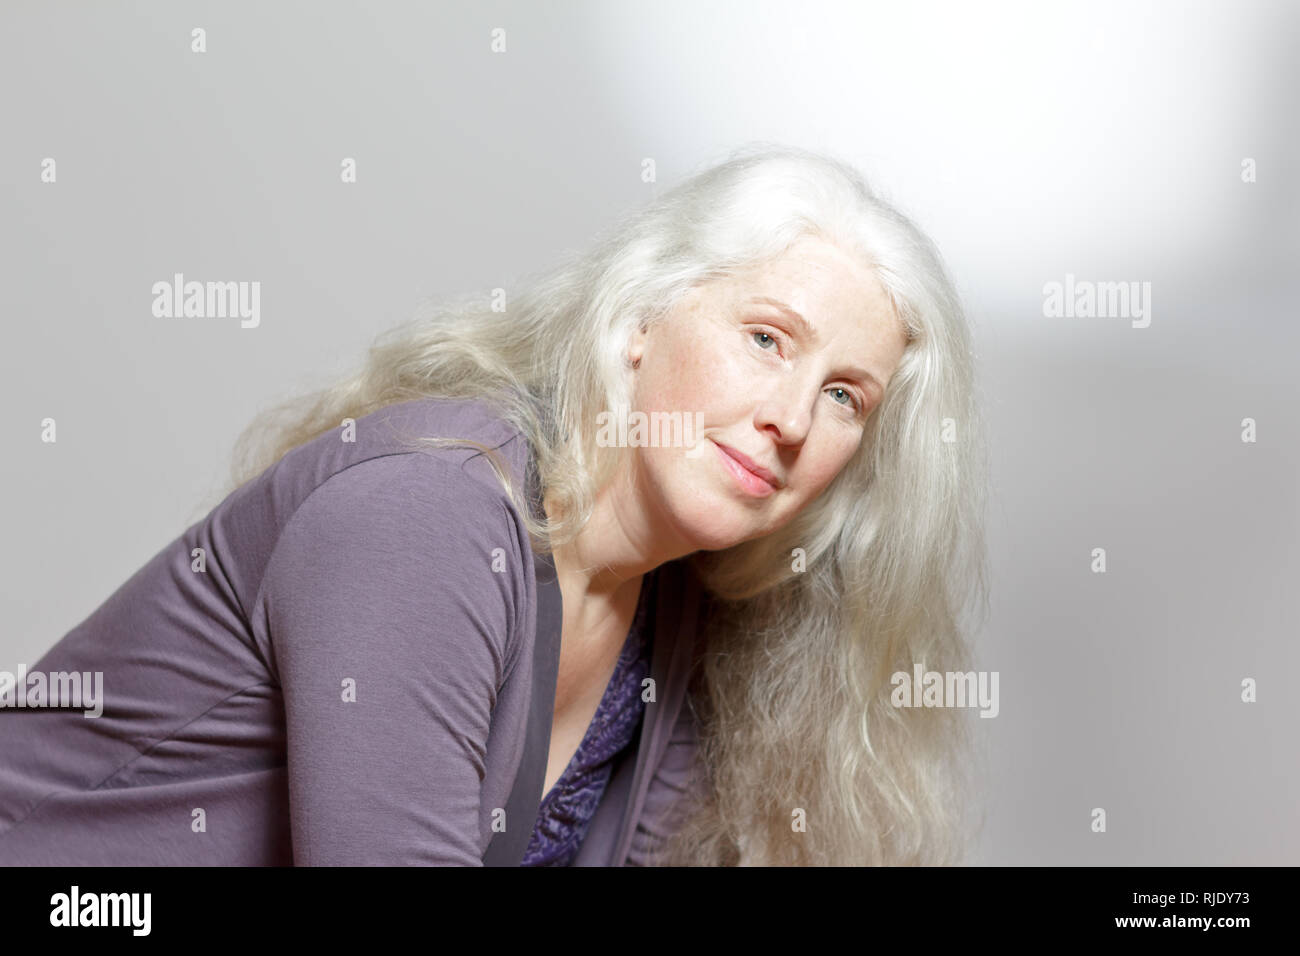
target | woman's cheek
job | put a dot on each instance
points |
(701, 366)
(728, 359)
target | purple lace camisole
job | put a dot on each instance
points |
(566, 811)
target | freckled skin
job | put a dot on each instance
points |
(772, 397)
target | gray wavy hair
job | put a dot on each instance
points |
(792, 695)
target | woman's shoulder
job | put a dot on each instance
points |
(411, 537)
(369, 476)
(379, 464)
(383, 450)
(399, 429)
(418, 532)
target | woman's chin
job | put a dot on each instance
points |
(714, 538)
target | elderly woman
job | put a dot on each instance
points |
(437, 621)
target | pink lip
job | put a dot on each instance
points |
(754, 479)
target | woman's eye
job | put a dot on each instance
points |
(852, 402)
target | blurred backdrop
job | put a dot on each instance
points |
(1111, 142)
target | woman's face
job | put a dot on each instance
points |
(793, 400)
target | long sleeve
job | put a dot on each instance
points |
(392, 628)
(674, 785)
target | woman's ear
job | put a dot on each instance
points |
(636, 344)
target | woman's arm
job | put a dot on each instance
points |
(391, 633)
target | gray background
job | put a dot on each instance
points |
(1030, 140)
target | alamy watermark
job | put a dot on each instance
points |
(56, 690)
(622, 428)
(221, 300)
(1103, 300)
(75, 908)
(946, 689)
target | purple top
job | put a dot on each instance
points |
(566, 811)
(350, 660)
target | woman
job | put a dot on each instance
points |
(441, 601)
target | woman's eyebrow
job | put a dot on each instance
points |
(805, 327)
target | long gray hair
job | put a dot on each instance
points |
(804, 758)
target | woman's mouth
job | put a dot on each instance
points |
(747, 480)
